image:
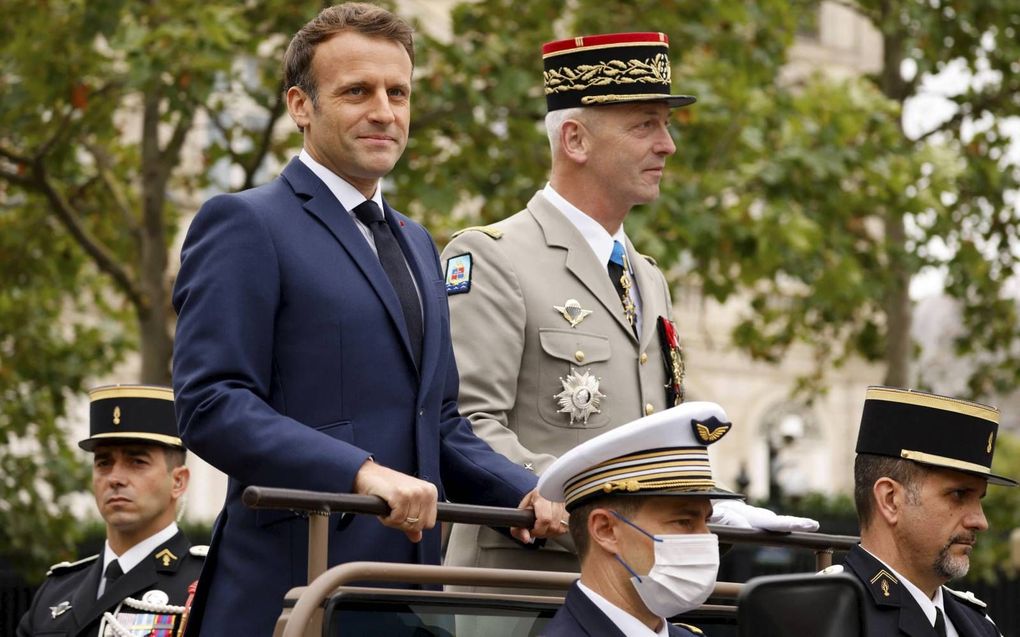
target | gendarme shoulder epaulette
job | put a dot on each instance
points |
(693, 629)
(199, 550)
(968, 598)
(67, 567)
(495, 233)
(650, 259)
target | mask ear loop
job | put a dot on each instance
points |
(644, 532)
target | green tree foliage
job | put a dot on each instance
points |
(807, 196)
(991, 558)
(99, 100)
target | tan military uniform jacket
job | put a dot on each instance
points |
(514, 348)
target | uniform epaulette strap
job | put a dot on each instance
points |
(968, 598)
(64, 567)
(693, 629)
(199, 550)
(494, 233)
(650, 260)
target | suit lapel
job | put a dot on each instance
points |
(323, 205)
(83, 601)
(589, 616)
(580, 260)
(888, 593)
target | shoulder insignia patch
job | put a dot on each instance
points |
(458, 274)
(493, 233)
(967, 597)
(693, 629)
(199, 550)
(835, 569)
(65, 567)
(650, 259)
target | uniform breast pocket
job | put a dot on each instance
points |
(569, 391)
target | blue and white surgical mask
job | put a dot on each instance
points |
(683, 574)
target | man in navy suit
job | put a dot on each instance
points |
(313, 347)
(923, 464)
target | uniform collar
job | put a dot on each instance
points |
(926, 604)
(140, 551)
(594, 234)
(626, 622)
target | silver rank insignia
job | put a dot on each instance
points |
(60, 609)
(580, 396)
(572, 312)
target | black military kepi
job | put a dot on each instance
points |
(613, 68)
(932, 430)
(132, 413)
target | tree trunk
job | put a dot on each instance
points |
(156, 342)
(897, 304)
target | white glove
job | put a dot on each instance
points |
(740, 515)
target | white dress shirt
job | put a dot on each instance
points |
(627, 623)
(350, 198)
(600, 240)
(135, 554)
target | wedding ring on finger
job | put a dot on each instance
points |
(411, 520)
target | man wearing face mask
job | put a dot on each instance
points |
(639, 499)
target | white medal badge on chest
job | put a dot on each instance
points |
(580, 396)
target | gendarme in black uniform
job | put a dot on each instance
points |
(151, 597)
(944, 434)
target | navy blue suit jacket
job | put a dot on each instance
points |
(580, 617)
(292, 366)
(893, 611)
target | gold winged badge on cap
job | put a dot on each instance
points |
(710, 431)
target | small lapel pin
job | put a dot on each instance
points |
(60, 609)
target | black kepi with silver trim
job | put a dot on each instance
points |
(932, 430)
(124, 413)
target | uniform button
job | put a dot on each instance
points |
(644, 357)
(649, 409)
(579, 356)
(421, 413)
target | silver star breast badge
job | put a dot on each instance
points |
(580, 396)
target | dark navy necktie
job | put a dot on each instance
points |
(112, 572)
(940, 623)
(395, 266)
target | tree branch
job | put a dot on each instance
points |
(100, 254)
(265, 141)
(106, 176)
(13, 156)
(15, 178)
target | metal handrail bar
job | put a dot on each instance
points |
(310, 600)
(324, 503)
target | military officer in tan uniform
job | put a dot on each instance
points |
(561, 328)
(549, 354)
